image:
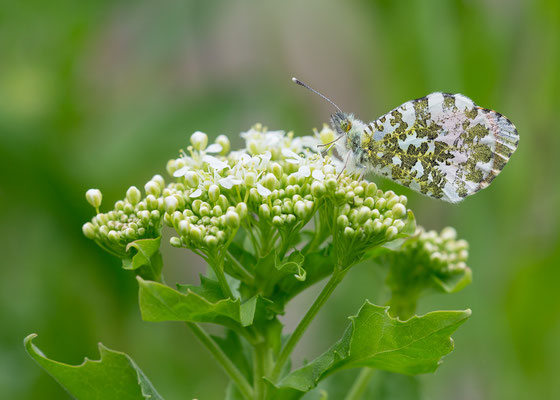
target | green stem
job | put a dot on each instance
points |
(360, 384)
(246, 276)
(218, 267)
(258, 371)
(336, 278)
(228, 366)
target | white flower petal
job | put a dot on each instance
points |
(214, 148)
(181, 172)
(263, 191)
(292, 161)
(215, 163)
(289, 153)
(318, 174)
(304, 171)
(229, 182)
(196, 193)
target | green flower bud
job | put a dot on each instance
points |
(133, 195)
(89, 230)
(342, 221)
(250, 179)
(398, 210)
(217, 211)
(171, 203)
(287, 207)
(152, 202)
(349, 232)
(191, 178)
(371, 189)
(300, 210)
(276, 170)
(213, 193)
(175, 241)
(94, 197)
(223, 141)
(128, 208)
(277, 221)
(264, 211)
(363, 214)
(242, 210)
(155, 214)
(119, 205)
(276, 210)
(331, 184)
(223, 202)
(392, 202)
(204, 210)
(144, 216)
(369, 227)
(291, 219)
(380, 204)
(211, 241)
(391, 233)
(448, 233)
(317, 189)
(152, 188)
(270, 181)
(113, 236)
(199, 140)
(232, 219)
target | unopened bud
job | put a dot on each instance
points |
(232, 219)
(223, 141)
(152, 188)
(89, 230)
(171, 203)
(94, 197)
(213, 193)
(133, 195)
(175, 241)
(191, 178)
(199, 140)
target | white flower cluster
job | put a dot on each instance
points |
(277, 180)
(445, 252)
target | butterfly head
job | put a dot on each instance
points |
(341, 123)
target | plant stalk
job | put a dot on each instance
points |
(360, 384)
(329, 288)
(228, 366)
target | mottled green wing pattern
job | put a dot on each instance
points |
(442, 145)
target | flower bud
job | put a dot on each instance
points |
(363, 214)
(217, 211)
(113, 236)
(277, 221)
(300, 210)
(349, 232)
(191, 178)
(133, 195)
(152, 202)
(232, 219)
(152, 188)
(183, 227)
(199, 140)
(213, 193)
(171, 204)
(211, 241)
(264, 211)
(342, 221)
(242, 210)
(380, 204)
(250, 179)
(223, 141)
(270, 181)
(276, 170)
(398, 210)
(317, 189)
(175, 241)
(371, 189)
(291, 219)
(391, 233)
(331, 184)
(89, 230)
(94, 197)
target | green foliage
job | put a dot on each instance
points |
(377, 340)
(244, 213)
(113, 376)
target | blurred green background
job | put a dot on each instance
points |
(102, 93)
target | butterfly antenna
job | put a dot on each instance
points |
(297, 81)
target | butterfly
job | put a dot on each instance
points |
(441, 145)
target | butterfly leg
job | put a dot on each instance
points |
(345, 165)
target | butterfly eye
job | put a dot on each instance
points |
(346, 125)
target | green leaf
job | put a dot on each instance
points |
(113, 376)
(204, 303)
(376, 340)
(144, 258)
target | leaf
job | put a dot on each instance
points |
(159, 302)
(293, 266)
(113, 376)
(376, 340)
(204, 303)
(145, 258)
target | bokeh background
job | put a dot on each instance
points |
(102, 93)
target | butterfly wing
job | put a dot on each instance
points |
(442, 145)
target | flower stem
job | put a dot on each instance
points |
(360, 384)
(336, 278)
(258, 371)
(228, 366)
(247, 277)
